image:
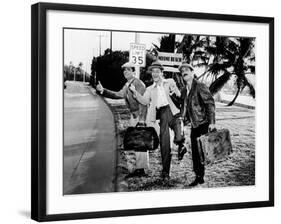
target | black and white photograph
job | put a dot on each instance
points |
(151, 111)
(140, 112)
(145, 111)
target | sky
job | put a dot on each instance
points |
(82, 45)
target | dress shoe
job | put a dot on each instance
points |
(181, 151)
(198, 180)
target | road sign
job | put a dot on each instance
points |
(170, 58)
(137, 54)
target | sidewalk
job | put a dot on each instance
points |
(241, 101)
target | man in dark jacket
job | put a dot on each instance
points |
(138, 111)
(198, 108)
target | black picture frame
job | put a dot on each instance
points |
(39, 108)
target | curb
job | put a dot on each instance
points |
(238, 104)
(121, 166)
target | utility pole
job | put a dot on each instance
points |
(100, 36)
(111, 40)
(84, 72)
(100, 44)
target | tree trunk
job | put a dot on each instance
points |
(235, 97)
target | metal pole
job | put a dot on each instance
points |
(100, 36)
(100, 44)
(111, 40)
(137, 68)
(84, 76)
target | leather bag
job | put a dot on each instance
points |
(214, 146)
(140, 138)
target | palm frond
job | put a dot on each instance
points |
(211, 50)
(157, 48)
(200, 65)
(219, 82)
(232, 47)
(200, 59)
(245, 46)
(197, 44)
(216, 68)
(199, 53)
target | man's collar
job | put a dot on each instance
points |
(163, 81)
(194, 83)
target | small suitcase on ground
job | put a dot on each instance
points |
(214, 146)
(140, 139)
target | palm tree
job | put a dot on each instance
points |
(191, 48)
(222, 58)
(167, 43)
(225, 57)
(234, 57)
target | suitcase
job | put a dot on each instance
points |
(140, 139)
(214, 146)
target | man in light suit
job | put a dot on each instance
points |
(158, 95)
(138, 111)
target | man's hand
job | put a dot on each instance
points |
(212, 127)
(173, 90)
(99, 87)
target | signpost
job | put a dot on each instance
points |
(170, 59)
(137, 56)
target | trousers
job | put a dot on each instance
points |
(141, 157)
(168, 120)
(198, 166)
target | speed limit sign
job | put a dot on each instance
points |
(137, 54)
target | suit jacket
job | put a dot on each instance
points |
(134, 106)
(199, 106)
(150, 97)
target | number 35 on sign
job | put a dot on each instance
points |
(137, 54)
